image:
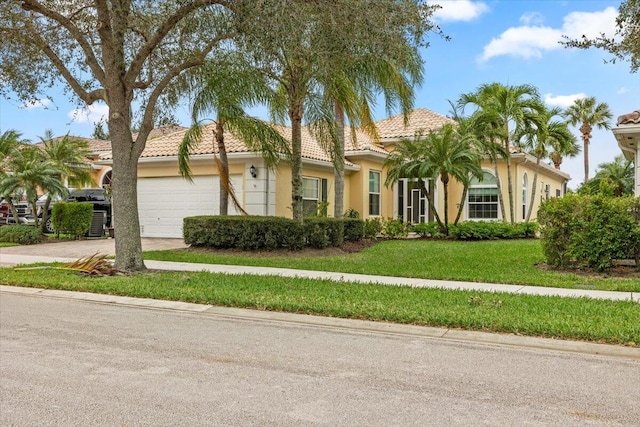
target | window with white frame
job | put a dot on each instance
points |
(374, 193)
(525, 197)
(482, 199)
(310, 195)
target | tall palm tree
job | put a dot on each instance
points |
(443, 154)
(546, 134)
(589, 114)
(30, 171)
(505, 110)
(226, 87)
(69, 155)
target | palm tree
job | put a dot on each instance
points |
(588, 113)
(30, 171)
(69, 155)
(10, 142)
(615, 178)
(546, 134)
(562, 149)
(226, 87)
(505, 110)
(445, 154)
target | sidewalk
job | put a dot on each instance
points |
(10, 256)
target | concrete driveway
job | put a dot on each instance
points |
(82, 248)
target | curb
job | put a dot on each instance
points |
(363, 326)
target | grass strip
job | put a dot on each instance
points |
(500, 261)
(615, 322)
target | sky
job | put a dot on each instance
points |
(506, 41)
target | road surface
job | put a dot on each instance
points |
(78, 363)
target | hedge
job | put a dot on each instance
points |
(21, 234)
(480, 230)
(589, 231)
(73, 218)
(263, 232)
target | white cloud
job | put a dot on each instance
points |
(531, 41)
(36, 103)
(622, 90)
(562, 100)
(529, 18)
(91, 114)
(459, 10)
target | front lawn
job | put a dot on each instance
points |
(615, 322)
(500, 261)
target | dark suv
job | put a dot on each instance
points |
(96, 196)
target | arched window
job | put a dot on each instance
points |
(525, 195)
(106, 179)
(482, 199)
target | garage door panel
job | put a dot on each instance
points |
(163, 203)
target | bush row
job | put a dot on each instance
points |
(21, 234)
(260, 232)
(480, 230)
(589, 231)
(73, 218)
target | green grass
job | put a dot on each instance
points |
(500, 261)
(616, 322)
(7, 244)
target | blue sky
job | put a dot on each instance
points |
(505, 41)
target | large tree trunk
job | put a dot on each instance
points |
(295, 115)
(338, 160)
(224, 169)
(124, 186)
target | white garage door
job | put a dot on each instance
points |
(164, 202)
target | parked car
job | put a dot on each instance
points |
(96, 196)
(24, 212)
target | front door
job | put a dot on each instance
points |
(413, 206)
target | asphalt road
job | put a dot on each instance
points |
(75, 363)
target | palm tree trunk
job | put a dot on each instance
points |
(339, 162)
(14, 210)
(432, 205)
(533, 189)
(45, 213)
(224, 166)
(463, 200)
(499, 187)
(295, 115)
(445, 183)
(585, 129)
(510, 189)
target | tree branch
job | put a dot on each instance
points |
(164, 29)
(87, 97)
(147, 119)
(91, 60)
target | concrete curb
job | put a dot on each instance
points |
(363, 326)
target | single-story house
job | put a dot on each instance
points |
(627, 133)
(165, 198)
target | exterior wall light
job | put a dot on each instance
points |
(253, 171)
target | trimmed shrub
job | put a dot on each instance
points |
(395, 228)
(372, 227)
(21, 234)
(481, 230)
(73, 218)
(353, 229)
(589, 231)
(243, 232)
(428, 229)
(322, 232)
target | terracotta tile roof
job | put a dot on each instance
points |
(632, 118)
(420, 120)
